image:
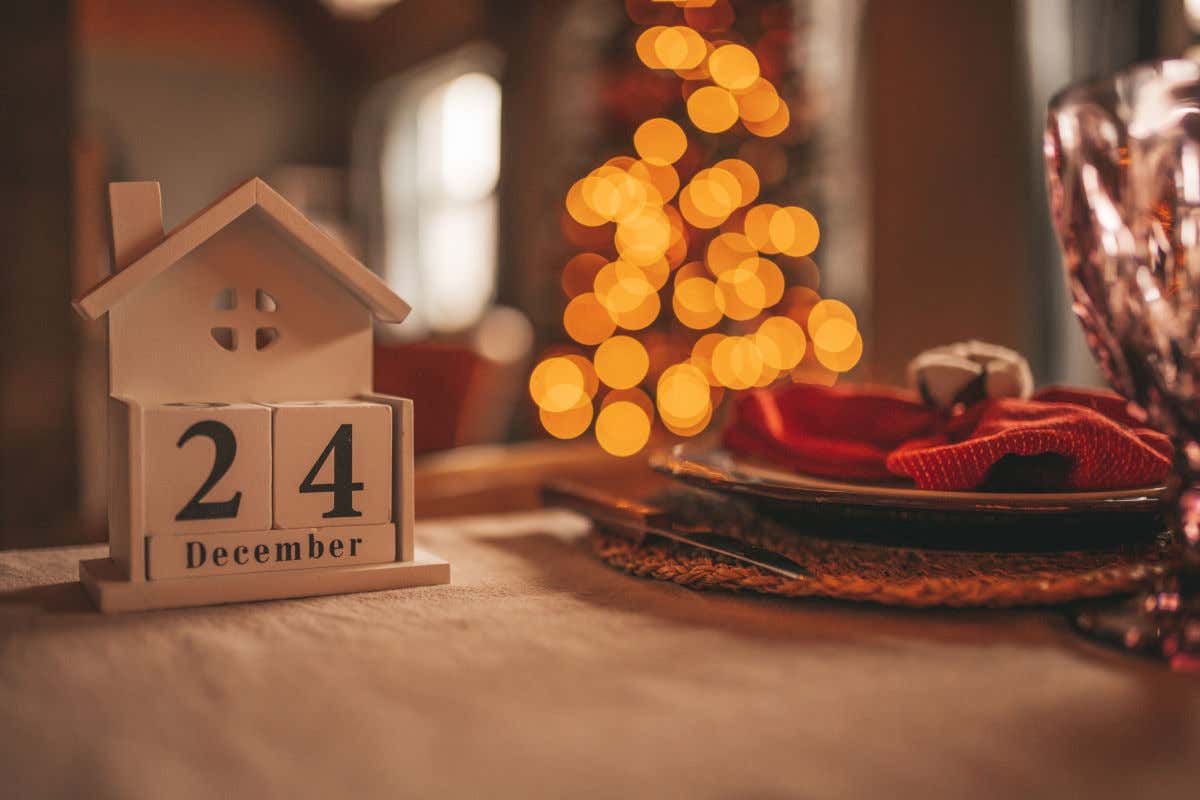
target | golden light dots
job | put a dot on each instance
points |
(759, 102)
(640, 316)
(622, 428)
(567, 424)
(579, 209)
(712, 109)
(794, 231)
(733, 67)
(679, 48)
(736, 362)
(683, 397)
(843, 360)
(826, 310)
(745, 175)
(757, 226)
(773, 125)
(639, 221)
(692, 213)
(646, 47)
(726, 251)
(580, 273)
(621, 362)
(587, 321)
(557, 385)
(591, 381)
(781, 342)
(697, 303)
(715, 193)
(659, 141)
(834, 336)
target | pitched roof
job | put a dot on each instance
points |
(365, 285)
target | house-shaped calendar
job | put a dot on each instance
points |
(249, 458)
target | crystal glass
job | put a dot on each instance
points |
(1123, 168)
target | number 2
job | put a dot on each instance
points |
(226, 444)
(343, 486)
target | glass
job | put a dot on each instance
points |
(1123, 168)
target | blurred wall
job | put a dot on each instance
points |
(37, 430)
(951, 251)
(201, 94)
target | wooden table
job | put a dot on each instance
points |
(541, 672)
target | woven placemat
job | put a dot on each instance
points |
(892, 575)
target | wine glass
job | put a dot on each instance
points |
(1123, 172)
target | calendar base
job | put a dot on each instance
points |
(111, 593)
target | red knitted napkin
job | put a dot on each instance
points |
(1060, 439)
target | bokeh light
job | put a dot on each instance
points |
(744, 310)
(622, 428)
(733, 67)
(621, 362)
(587, 321)
(712, 109)
(659, 141)
(557, 385)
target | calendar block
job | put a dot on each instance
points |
(209, 465)
(333, 463)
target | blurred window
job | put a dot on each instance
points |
(438, 162)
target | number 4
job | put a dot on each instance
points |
(343, 486)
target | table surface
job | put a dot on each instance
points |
(541, 672)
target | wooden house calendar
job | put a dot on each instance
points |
(249, 458)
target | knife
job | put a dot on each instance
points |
(635, 520)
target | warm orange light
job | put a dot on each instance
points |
(621, 362)
(663, 178)
(579, 209)
(646, 48)
(844, 360)
(757, 226)
(781, 342)
(659, 141)
(826, 310)
(794, 231)
(567, 424)
(587, 321)
(716, 192)
(557, 385)
(620, 287)
(580, 273)
(758, 103)
(736, 362)
(654, 222)
(733, 67)
(773, 125)
(591, 381)
(640, 316)
(726, 251)
(745, 175)
(692, 213)
(712, 109)
(834, 336)
(622, 428)
(697, 303)
(683, 396)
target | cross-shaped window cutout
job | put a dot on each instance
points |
(226, 336)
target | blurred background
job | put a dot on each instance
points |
(437, 139)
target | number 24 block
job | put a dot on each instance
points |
(332, 463)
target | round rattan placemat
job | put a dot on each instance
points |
(893, 575)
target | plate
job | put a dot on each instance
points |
(713, 468)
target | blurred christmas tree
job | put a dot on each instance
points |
(678, 228)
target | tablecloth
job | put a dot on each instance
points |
(542, 673)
